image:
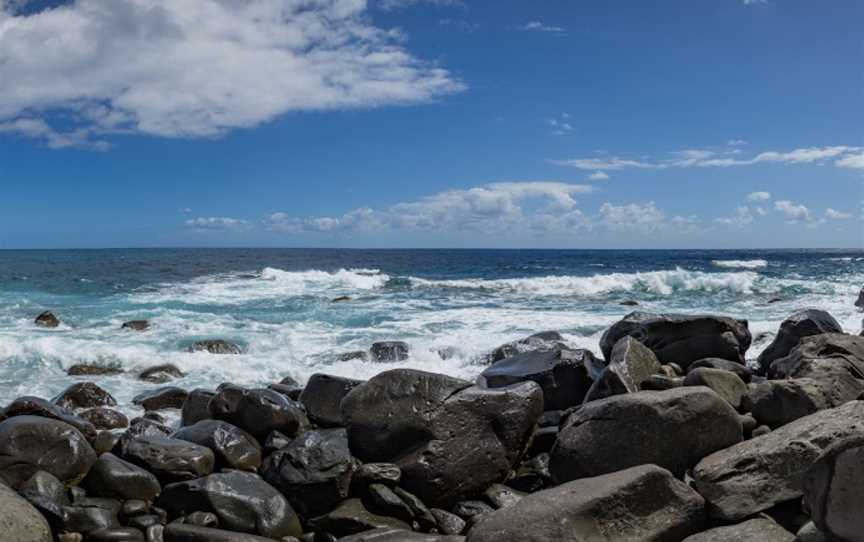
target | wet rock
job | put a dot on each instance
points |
(115, 478)
(629, 303)
(387, 351)
(422, 515)
(143, 427)
(386, 534)
(351, 517)
(644, 503)
(341, 299)
(323, 396)
(30, 443)
(258, 411)
(762, 529)
(242, 501)
(532, 474)
(45, 492)
(274, 442)
(448, 524)
(743, 372)
(136, 325)
(204, 519)
(161, 398)
(47, 319)
(860, 301)
(682, 339)
(90, 514)
(181, 532)
(116, 534)
(761, 430)
(88, 369)
(724, 383)
(451, 439)
(564, 375)
(833, 491)
(171, 460)
(382, 500)
(471, 510)
(195, 407)
(105, 441)
(105, 418)
(661, 383)
(350, 356)
(83, 395)
(673, 429)
(778, 402)
(800, 324)
(631, 363)
(35, 406)
(232, 447)
(756, 474)
(216, 346)
(376, 473)
(288, 387)
(160, 374)
(545, 340)
(19, 520)
(822, 356)
(313, 471)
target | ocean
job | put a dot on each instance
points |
(277, 304)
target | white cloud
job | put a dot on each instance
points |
(217, 223)
(73, 74)
(604, 164)
(632, 216)
(833, 214)
(598, 176)
(754, 2)
(793, 212)
(401, 4)
(851, 161)
(537, 26)
(759, 196)
(743, 216)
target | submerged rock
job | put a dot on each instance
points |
(160, 374)
(216, 346)
(89, 369)
(800, 324)
(47, 319)
(387, 351)
(136, 325)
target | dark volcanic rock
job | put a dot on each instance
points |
(631, 364)
(160, 374)
(47, 494)
(216, 346)
(545, 340)
(743, 372)
(161, 398)
(819, 356)
(258, 411)
(143, 427)
(386, 351)
(382, 500)
(105, 418)
(833, 491)
(350, 517)
(450, 439)
(83, 395)
(85, 515)
(88, 369)
(448, 523)
(778, 402)
(47, 319)
(19, 520)
(34, 406)
(241, 500)
(756, 474)
(386, 534)
(682, 339)
(136, 325)
(643, 503)
(182, 532)
(323, 396)
(800, 324)
(357, 354)
(116, 534)
(860, 301)
(724, 383)
(376, 473)
(761, 529)
(171, 460)
(673, 429)
(112, 477)
(313, 471)
(30, 443)
(233, 447)
(564, 375)
(195, 407)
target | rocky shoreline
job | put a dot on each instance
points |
(670, 436)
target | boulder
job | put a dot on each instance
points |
(105, 418)
(673, 429)
(361, 355)
(161, 398)
(232, 447)
(323, 396)
(743, 372)
(376, 473)
(160, 374)
(241, 500)
(631, 363)
(114, 478)
(313, 471)
(762, 529)
(388, 351)
(144, 427)
(195, 407)
(31, 443)
(47, 319)
(680, 338)
(860, 301)
(833, 492)
(383, 500)
(20, 521)
(778, 402)
(136, 325)
(90, 369)
(258, 411)
(350, 517)
(34, 406)
(545, 340)
(800, 324)
(47, 494)
(451, 440)
(724, 383)
(820, 356)
(216, 346)
(85, 515)
(171, 460)
(644, 503)
(757, 474)
(83, 395)
(182, 532)
(565, 376)
(387, 534)
(448, 523)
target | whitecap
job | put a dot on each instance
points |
(743, 264)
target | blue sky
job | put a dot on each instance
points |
(419, 123)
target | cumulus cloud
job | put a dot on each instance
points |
(834, 214)
(217, 223)
(537, 26)
(73, 74)
(793, 212)
(632, 216)
(401, 4)
(852, 161)
(598, 176)
(759, 196)
(743, 216)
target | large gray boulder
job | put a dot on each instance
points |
(726, 384)
(564, 375)
(111, 477)
(35, 406)
(644, 503)
(545, 340)
(757, 474)
(681, 338)
(800, 324)
(778, 402)
(821, 356)
(257, 411)
(20, 521)
(833, 490)
(631, 363)
(760, 529)
(232, 447)
(170, 459)
(673, 429)
(451, 440)
(323, 396)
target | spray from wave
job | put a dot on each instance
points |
(740, 264)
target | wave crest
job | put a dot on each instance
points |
(743, 264)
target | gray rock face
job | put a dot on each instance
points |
(743, 372)
(451, 440)
(800, 324)
(820, 356)
(19, 521)
(682, 339)
(30, 443)
(323, 396)
(564, 375)
(631, 363)
(257, 411)
(242, 501)
(761, 529)
(161, 398)
(778, 402)
(756, 474)
(545, 340)
(387, 351)
(171, 460)
(673, 429)
(644, 503)
(725, 384)
(833, 491)
(232, 447)
(114, 478)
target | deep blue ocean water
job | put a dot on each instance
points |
(277, 304)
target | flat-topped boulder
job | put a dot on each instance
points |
(800, 324)
(778, 402)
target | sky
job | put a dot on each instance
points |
(432, 123)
